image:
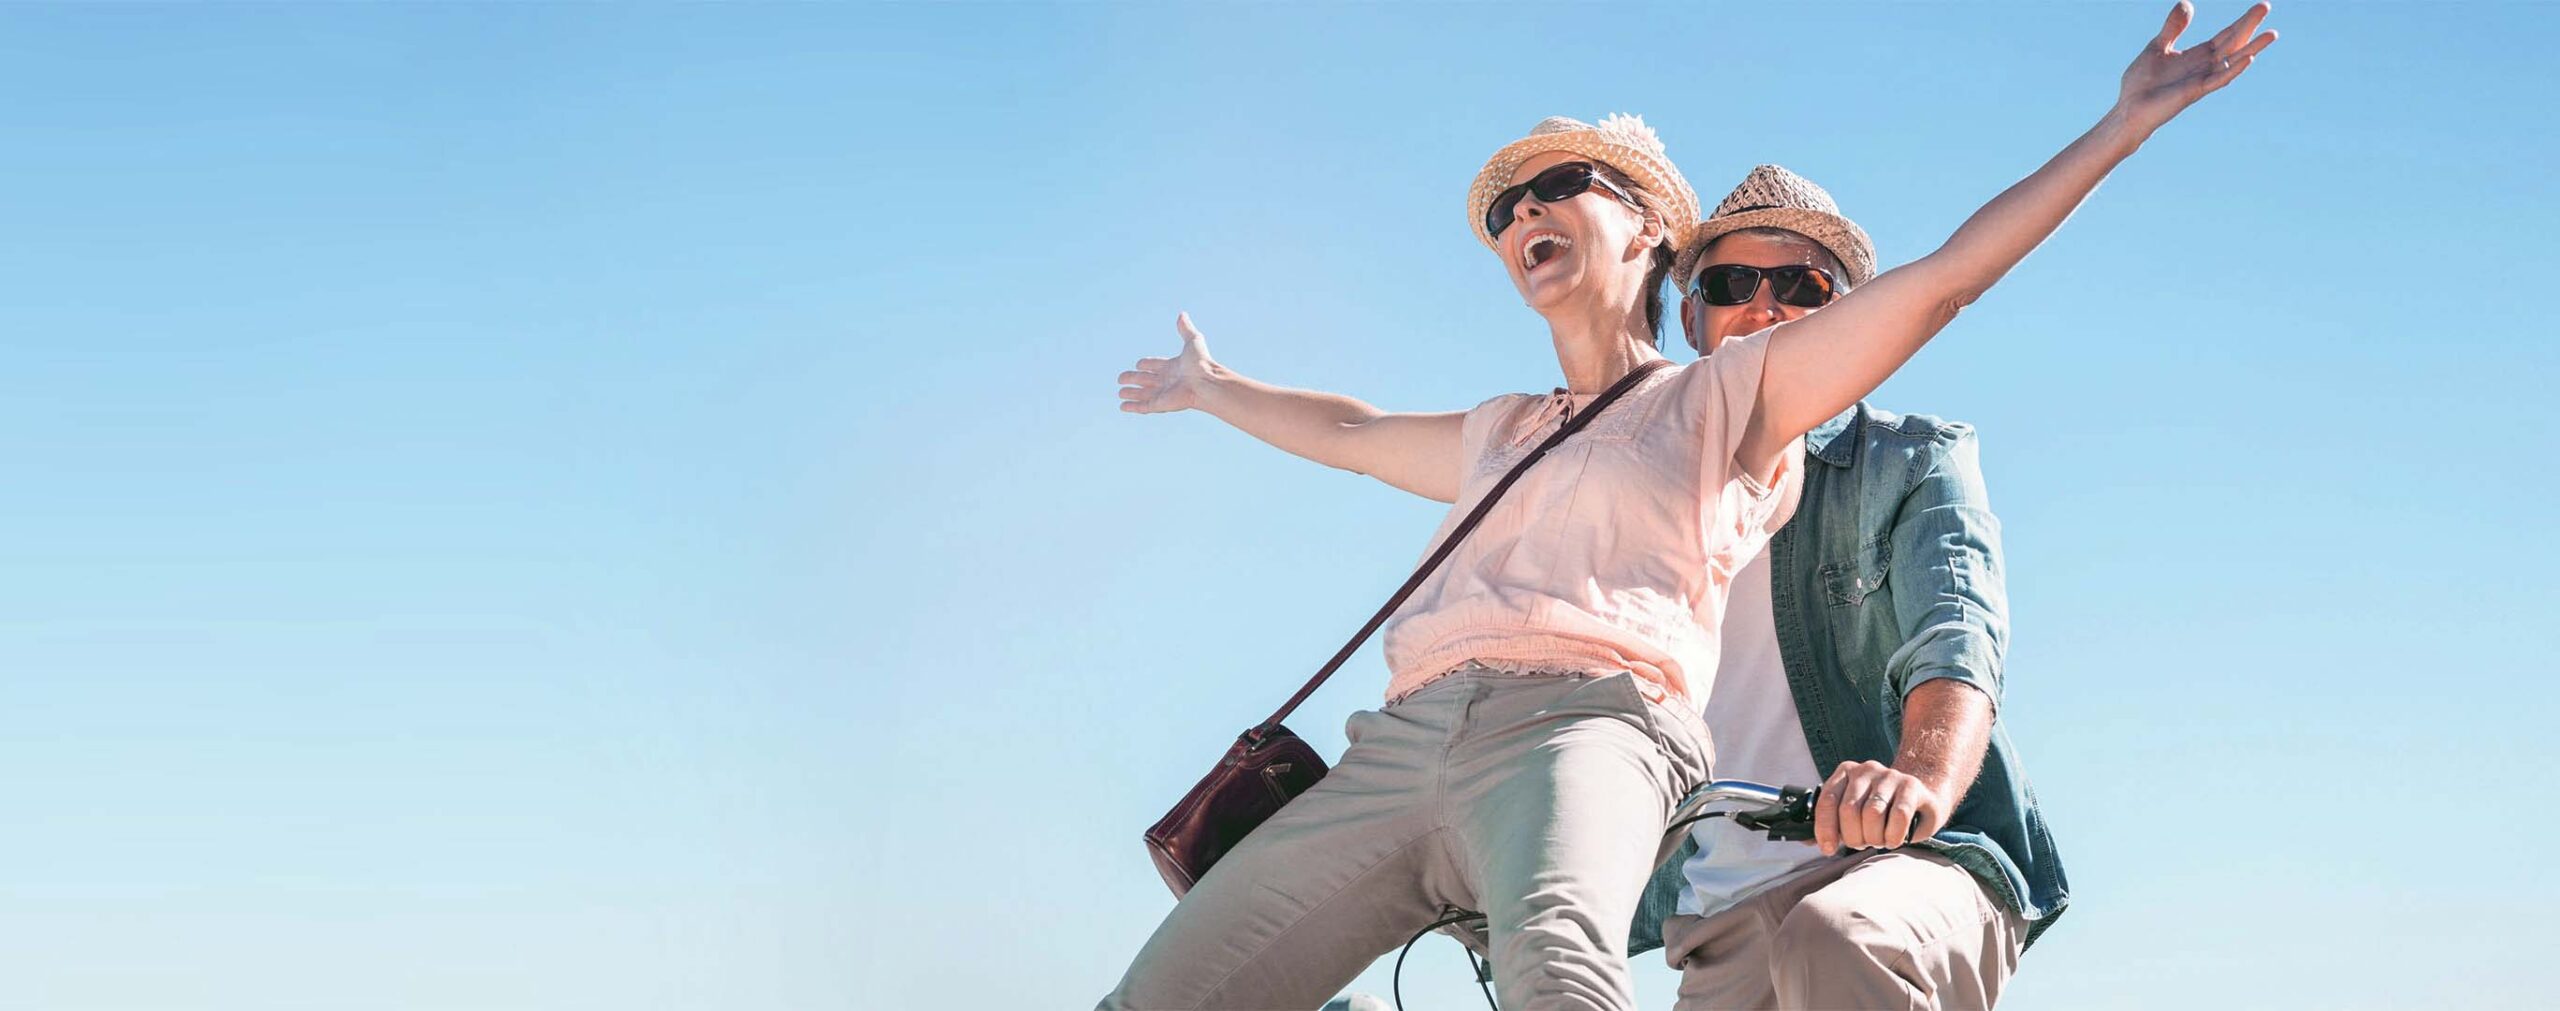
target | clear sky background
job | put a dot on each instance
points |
(583, 506)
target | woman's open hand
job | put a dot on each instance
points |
(2164, 81)
(1158, 385)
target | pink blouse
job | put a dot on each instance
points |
(1616, 551)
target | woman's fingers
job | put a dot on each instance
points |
(2179, 14)
(1190, 334)
(1151, 388)
(2228, 39)
(2230, 71)
(2231, 68)
(2230, 49)
(2239, 58)
(1139, 390)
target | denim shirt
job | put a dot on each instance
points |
(1889, 577)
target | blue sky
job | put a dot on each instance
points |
(567, 506)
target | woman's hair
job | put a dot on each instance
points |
(1663, 254)
(1654, 277)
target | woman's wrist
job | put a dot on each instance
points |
(1214, 389)
(2118, 134)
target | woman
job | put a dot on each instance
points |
(1538, 729)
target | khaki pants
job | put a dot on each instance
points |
(1537, 799)
(1889, 929)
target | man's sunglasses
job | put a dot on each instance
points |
(1735, 283)
(1563, 182)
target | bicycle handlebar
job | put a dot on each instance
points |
(1784, 812)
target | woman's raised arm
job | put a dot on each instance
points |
(1819, 365)
(1418, 453)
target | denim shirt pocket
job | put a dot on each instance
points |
(1847, 582)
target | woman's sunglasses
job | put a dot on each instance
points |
(1563, 182)
(1735, 283)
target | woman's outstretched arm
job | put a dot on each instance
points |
(1819, 365)
(1418, 453)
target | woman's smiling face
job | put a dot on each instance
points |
(1582, 247)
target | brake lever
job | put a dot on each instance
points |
(1791, 818)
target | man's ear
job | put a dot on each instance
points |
(1693, 321)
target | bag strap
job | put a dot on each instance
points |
(1571, 425)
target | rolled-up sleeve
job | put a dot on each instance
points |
(1949, 590)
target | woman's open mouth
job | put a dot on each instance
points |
(1541, 249)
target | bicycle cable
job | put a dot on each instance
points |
(1483, 969)
(1694, 819)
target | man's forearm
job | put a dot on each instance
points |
(1946, 727)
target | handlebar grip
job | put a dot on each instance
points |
(1791, 819)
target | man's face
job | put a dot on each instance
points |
(1709, 325)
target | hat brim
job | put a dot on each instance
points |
(1652, 172)
(1841, 236)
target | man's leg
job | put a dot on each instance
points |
(1900, 929)
(1723, 959)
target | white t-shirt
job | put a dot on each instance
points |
(1751, 716)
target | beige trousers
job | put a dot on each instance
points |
(1539, 800)
(1888, 929)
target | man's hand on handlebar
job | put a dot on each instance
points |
(1871, 805)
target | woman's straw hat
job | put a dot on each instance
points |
(1772, 197)
(1621, 142)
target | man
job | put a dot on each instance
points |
(1866, 641)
